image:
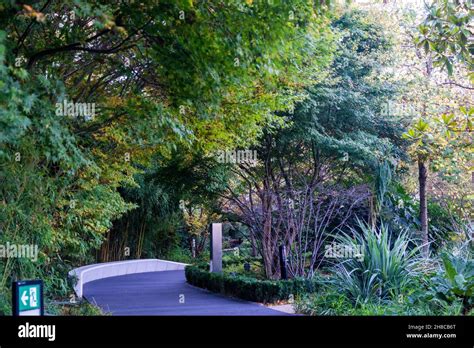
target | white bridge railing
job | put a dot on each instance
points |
(97, 271)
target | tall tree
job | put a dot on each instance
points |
(305, 184)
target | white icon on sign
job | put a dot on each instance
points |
(24, 298)
(33, 298)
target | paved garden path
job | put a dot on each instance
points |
(163, 293)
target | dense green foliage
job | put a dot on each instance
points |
(436, 292)
(159, 75)
(158, 90)
(156, 228)
(326, 155)
(447, 31)
(456, 281)
(342, 116)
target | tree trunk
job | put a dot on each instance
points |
(253, 243)
(422, 176)
(267, 241)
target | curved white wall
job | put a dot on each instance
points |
(96, 271)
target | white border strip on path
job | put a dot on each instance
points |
(97, 271)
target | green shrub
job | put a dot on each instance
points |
(178, 254)
(425, 294)
(235, 264)
(328, 302)
(331, 302)
(80, 308)
(455, 281)
(230, 259)
(384, 269)
(251, 289)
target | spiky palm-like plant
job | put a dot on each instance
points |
(384, 268)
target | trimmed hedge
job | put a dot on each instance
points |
(251, 289)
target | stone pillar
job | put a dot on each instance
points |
(283, 262)
(216, 248)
